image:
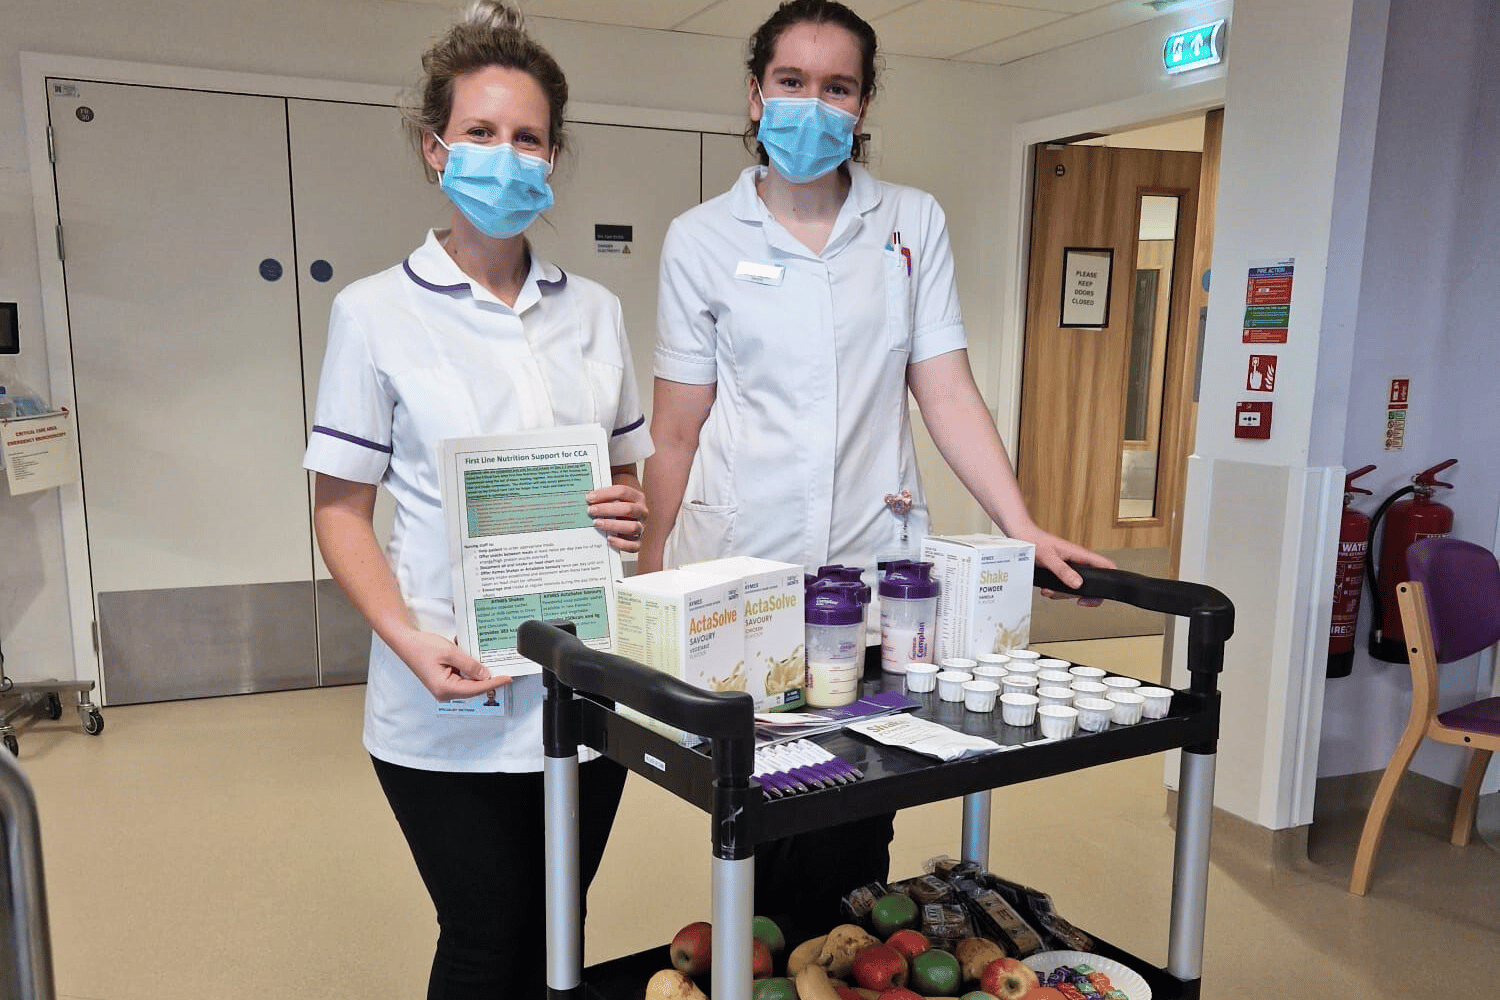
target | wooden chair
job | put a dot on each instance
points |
(1450, 610)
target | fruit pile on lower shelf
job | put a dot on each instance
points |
(933, 937)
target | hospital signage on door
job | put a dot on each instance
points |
(612, 238)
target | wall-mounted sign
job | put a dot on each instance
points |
(1261, 376)
(611, 238)
(1268, 301)
(1194, 48)
(39, 452)
(1397, 402)
(1085, 286)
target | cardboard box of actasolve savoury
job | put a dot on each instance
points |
(775, 627)
(984, 592)
(690, 625)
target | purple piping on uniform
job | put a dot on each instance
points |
(629, 427)
(461, 286)
(554, 286)
(385, 448)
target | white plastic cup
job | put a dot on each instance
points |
(959, 663)
(1018, 709)
(1127, 710)
(1158, 702)
(989, 672)
(921, 677)
(1054, 678)
(1087, 673)
(1023, 667)
(1118, 683)
(1051, 663)
(1057, 722)
(1094, 714)
(1088, 689)
(951, 684)
(992, 659)
(1023, 654)
(979, 695)
(1019, 684)
(1055, 695)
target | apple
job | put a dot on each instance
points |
(847, 993)
(879, 967)
(692, 948)
(766, 930)
(899, 993)
(1044, 993)
(909, 941)
(892, 912)
(761, 961)
(774, 989)
(935, 974)
(1008, 978)
(978, 995)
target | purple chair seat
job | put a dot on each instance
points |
(1477, 716)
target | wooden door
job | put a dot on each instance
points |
(1094, 400)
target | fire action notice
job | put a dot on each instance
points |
(1268, 301)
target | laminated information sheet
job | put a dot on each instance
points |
(521, 542)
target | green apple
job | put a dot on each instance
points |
(765, 929)
(774, 989)
(935, 974)
(979, 995)
(893, 912)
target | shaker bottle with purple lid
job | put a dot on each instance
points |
(835, 646)
(908, 614)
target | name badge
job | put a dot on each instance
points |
(760, 274)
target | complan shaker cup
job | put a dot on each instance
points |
(908, 614)
(835, 647)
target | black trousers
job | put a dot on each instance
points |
(799, 880)
(477, 840)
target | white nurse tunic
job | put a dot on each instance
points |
(809, 431)
(418, 353)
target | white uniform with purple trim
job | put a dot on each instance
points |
(418, 353)
(809, 430)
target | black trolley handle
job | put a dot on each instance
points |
(1209, 613)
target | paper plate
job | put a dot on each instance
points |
(1123, 978)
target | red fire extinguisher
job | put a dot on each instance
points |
(1349, 580)
(1409, 521)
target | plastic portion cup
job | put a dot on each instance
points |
(1027, 667)
(951, 684)
(989, 671)
(979, 695)
(1050, 663)
(1087, 673)
(992, 659)
(959, 663)
(1117, 683)
(1023, 654)
(921, 677)
(1094, 714)
(1019, 684)
(1018, 709)
(1055, 695)
(1088, 689)
(1054, 678)
(1057, 722)
(1127, 711)
(1158, 702)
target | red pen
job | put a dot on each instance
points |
(905, 252)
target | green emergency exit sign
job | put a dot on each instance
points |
(1194, 48)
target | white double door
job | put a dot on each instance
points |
(204, 235)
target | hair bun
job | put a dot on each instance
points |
(495, 15)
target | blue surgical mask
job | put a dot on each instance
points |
(501, 191)
(804, 137)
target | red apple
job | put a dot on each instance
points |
(900, 993)
(879, 967)
(1044, 993)
(692, 948)
(760, 960)
(1008, 978)
(909, 942)
(847, 993)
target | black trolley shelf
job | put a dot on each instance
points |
(583, 685)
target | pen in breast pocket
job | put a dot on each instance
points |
(895, 244)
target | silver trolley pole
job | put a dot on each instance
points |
(28, 940)
(1195, 805)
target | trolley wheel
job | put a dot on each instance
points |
(93, 723)
(53, 707)
(12, 744)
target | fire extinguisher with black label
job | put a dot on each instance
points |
(1408, 521)
(1349, 581)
